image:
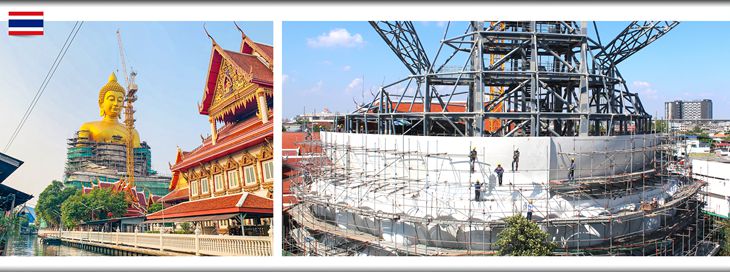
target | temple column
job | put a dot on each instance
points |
(262, 106)
(213, 131)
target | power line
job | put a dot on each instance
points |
(49, 75)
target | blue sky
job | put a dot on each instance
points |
(323, 63)
(171, 59)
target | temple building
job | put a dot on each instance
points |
(97, 152)
(225, 185)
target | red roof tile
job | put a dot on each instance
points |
(289, 200)
(253, 65)
(231, 138)
(217, 205)
(174, 196)
(268, 49)
(435, 107)
(292, 140)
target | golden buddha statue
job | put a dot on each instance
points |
(109, 129)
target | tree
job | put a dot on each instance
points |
(73, 211)
(660, 125)
(155, 207)
(725, 239)
(96, 205)
(50, 200)
(523, 238)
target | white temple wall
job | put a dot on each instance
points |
(541, 158)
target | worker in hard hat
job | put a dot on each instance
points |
(499, 171)
(515, 160)
(530, 207)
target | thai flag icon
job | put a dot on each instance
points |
(25, 23)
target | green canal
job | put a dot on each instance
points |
(31, 245)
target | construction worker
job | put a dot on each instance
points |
(477, 191)
(515, 160)
(530, 207)
(571, 171)
(473, 158)
(499, 170)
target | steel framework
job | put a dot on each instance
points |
(510, 79)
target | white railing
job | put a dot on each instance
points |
(217, 245)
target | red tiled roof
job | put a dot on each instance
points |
(286, 185)
(435, 107)
(217, 205)
(231, 138)
(252, 64)
(176, 174)
(289, 200)
(174, 196)
(291, 140)
(268, 49)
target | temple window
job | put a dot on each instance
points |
(194, 187)
(218, 180)
(268, 170)
(233, 179)
(250, 175)
(204, 186)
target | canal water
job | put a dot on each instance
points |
(31, 245)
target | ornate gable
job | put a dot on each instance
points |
(248, 159)
(233, 90)
(266, 153)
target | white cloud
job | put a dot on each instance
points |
(346, 68)
(440, 24)
(336, 38)
(645, 90)
(284, 78)
(641, 84)
(354, 84)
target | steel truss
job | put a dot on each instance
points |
(509, 79)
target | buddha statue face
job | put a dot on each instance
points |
(111, 99)
(111, 105)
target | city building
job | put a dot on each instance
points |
(688, 110)
(716, 173)
(317, 121)
(225, 185)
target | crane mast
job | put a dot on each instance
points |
(128, 112)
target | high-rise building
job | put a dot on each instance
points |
(688, 110)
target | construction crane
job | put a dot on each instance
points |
(128, 112)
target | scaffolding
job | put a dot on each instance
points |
(89, 162)
(341, 203)
(539, 78)
(112, 156)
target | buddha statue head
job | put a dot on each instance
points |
(111, 99)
